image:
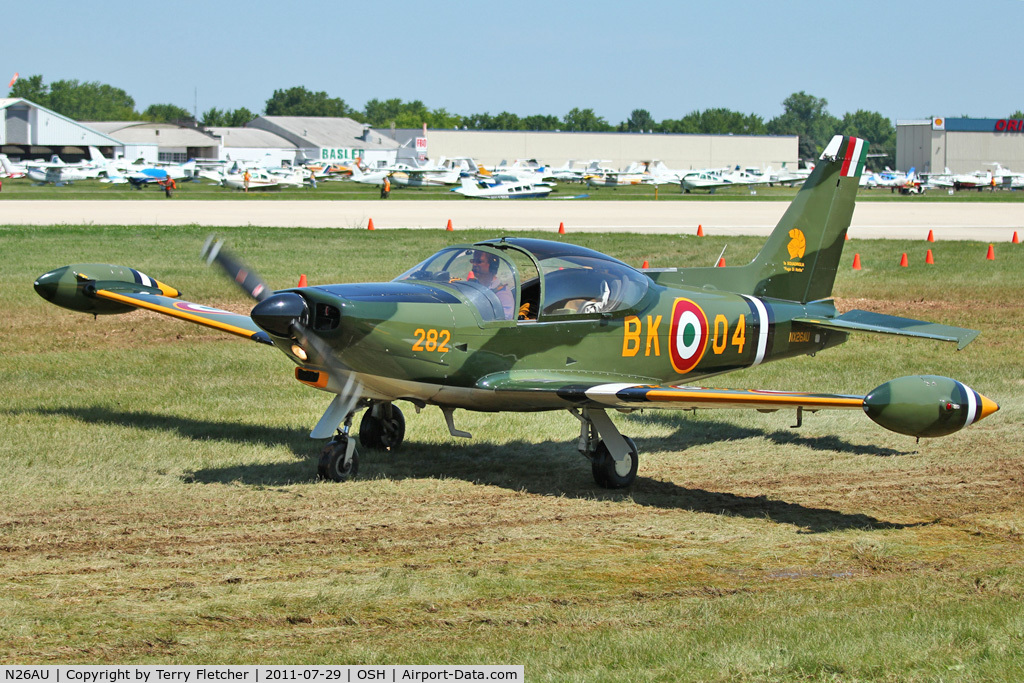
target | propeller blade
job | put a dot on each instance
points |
(251, 283)
(351, 388)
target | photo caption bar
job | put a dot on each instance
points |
(155, 673)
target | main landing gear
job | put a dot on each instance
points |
(613, 457)
(382, 428)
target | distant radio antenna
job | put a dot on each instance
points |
(195, 103)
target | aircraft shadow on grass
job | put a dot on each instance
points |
(550, 468)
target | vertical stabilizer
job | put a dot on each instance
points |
(800, 258)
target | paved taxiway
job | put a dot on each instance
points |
(988, 221)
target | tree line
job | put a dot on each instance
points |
(803, 115)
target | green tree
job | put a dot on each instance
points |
(584, 120)
(380, 114)
(32, 89)
(806, 116)
(639, 120)
(1015, 115)
(233, 119)
(238, 117)
(93, 101)
(716, 121)
(299, 101)
(541, 122)
(166, 113)
(877, 130)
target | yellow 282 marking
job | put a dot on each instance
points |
(432, 340)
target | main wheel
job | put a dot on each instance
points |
(332, 461)
(385, 433)
(607, 473)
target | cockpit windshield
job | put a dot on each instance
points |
(483, 275)
(579, 284)
(567, 281)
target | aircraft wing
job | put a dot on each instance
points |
(866, 321)
(224, 321)
(625, 395)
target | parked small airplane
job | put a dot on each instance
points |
(426, 177)
(11, 169)
(524, 325)
(500, 189)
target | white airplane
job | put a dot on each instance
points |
(259, 179)
(483, 189)
(634, 174)
(426, 177)
(568, 172)
(11, 169)
(894, 180)
(791, 177)
(55, 171)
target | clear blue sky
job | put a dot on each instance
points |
(902, 59)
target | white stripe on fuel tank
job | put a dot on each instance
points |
(972, 405)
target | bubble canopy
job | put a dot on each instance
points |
(564, 281)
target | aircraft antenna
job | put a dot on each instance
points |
(719, 259)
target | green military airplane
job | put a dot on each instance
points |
(517, 324)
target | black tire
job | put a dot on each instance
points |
(385, 433)
(603, 467)
(332, 462)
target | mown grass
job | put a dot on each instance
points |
(22, 188)
(159, 503)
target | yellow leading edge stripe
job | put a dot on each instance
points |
(174, 313)
(794, 400)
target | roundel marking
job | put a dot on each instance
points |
(198, 308)
(688, 335)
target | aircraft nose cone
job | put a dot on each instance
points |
(276, 313)
(46, 285)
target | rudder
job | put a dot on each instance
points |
(800, 259)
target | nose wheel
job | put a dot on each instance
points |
(339, 460)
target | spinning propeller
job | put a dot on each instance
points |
(286, 314)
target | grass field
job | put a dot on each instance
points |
(23, 188)
(159, 502)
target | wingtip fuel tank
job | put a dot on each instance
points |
(926, 405)
(74, 286)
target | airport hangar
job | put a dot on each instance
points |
(962, 145)
(29, 131)
(617, 150)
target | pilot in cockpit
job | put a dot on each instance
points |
(485, 271)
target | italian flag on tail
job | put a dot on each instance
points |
(852, 158)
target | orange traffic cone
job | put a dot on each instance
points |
(929, 259)
(561, 228)
(369, 226)
(302, 280)
(847, 236)
(700, 230)
(903, 261)
(931, 236)
(991, 256)
(645, 264)
(721, 262)
(450, 228)
(856, 261)
(1015, 240)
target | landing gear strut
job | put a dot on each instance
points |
(339, 460)
(613, 457)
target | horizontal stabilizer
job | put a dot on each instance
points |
(866, 321)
